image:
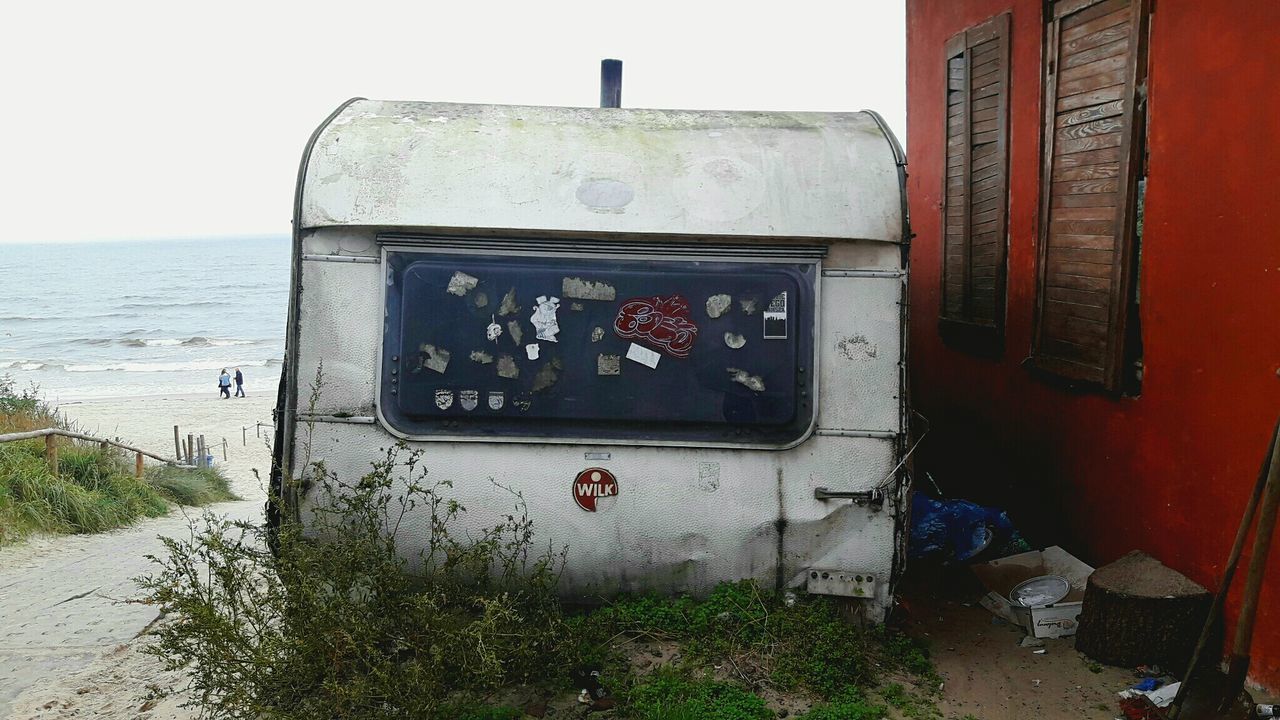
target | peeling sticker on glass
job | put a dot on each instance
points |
(734, 340)
(576, 307)
(522, 401)
(662, 322)
(775, 318)
(544, 318)
(517, 333)
(718, 305)
(742, 377)
(497, 399)
(748, 305)
(480, 299)
(444, 399)
(481, 357)
(547, 376)
(507, 367)
(608, 364)
(468, 399)
(494, 331)
(461, 283)
(532, 350)
(597, 334)
(433, 358)
(509, 306)
(587, 289)
(643, 355)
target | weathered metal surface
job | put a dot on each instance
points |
(442, 165)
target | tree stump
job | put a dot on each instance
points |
(1137, 611)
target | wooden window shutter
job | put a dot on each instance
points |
(1095, 72)
(977, 185)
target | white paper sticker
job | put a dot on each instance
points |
(643, 355)
(775, 318)
(532, 350)
(544, 318)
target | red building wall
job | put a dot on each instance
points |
(1167, 472)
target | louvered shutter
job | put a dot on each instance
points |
(976, 191)
(1095, 65)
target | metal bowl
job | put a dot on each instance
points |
(1040, 591)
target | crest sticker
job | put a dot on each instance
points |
(497, 399)
(469, 399)
(444, 399)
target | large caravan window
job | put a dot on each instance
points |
(512, 345)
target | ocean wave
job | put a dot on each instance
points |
(30, 366)
(143, 367)
(135, 342)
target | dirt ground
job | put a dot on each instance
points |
(988, 675)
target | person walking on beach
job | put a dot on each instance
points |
(224, 384)
(239, 383)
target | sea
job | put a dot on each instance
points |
(108, 319)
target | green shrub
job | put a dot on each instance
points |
(338, 623)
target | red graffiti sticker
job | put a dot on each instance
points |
(593, 485)
(662, 322)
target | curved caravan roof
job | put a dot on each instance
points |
(672, 172)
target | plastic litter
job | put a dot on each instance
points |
(958, 530)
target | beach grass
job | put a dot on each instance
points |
(94, 488)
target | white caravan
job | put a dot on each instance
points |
(680, 334)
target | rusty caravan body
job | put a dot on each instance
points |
(678, 334)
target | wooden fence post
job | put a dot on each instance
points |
(137, 468)
(177, 445)
(51, 452)
(191, 448)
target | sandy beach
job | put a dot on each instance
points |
(69, 640)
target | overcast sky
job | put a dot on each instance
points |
(170, 119)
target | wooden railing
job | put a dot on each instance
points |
(51, 446)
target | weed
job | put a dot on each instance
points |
(338, 623)
(669, 694)
(851, 705)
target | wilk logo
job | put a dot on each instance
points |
(444, 399)
(593, 485)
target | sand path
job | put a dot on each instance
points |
(66, 625)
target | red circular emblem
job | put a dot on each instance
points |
(593, 485)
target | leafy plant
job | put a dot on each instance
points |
(340, 623)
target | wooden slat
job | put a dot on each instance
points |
(1101, 37)
(1093, 157)
(1087, 172)
(1090, 113)
(1087, 22)
(1088, 129)
(1082, 282)
(1092, 69)
(1067, 147)
(1077, 201)
(1084, 57)
(1085, 187)
(1084, 227)
(1093, 97)
(1059, 268)
(1081, 255)
(1096, 81)
(1078, 297)
(1094, 242)
(1086, 312)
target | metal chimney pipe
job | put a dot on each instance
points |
(610, 83)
